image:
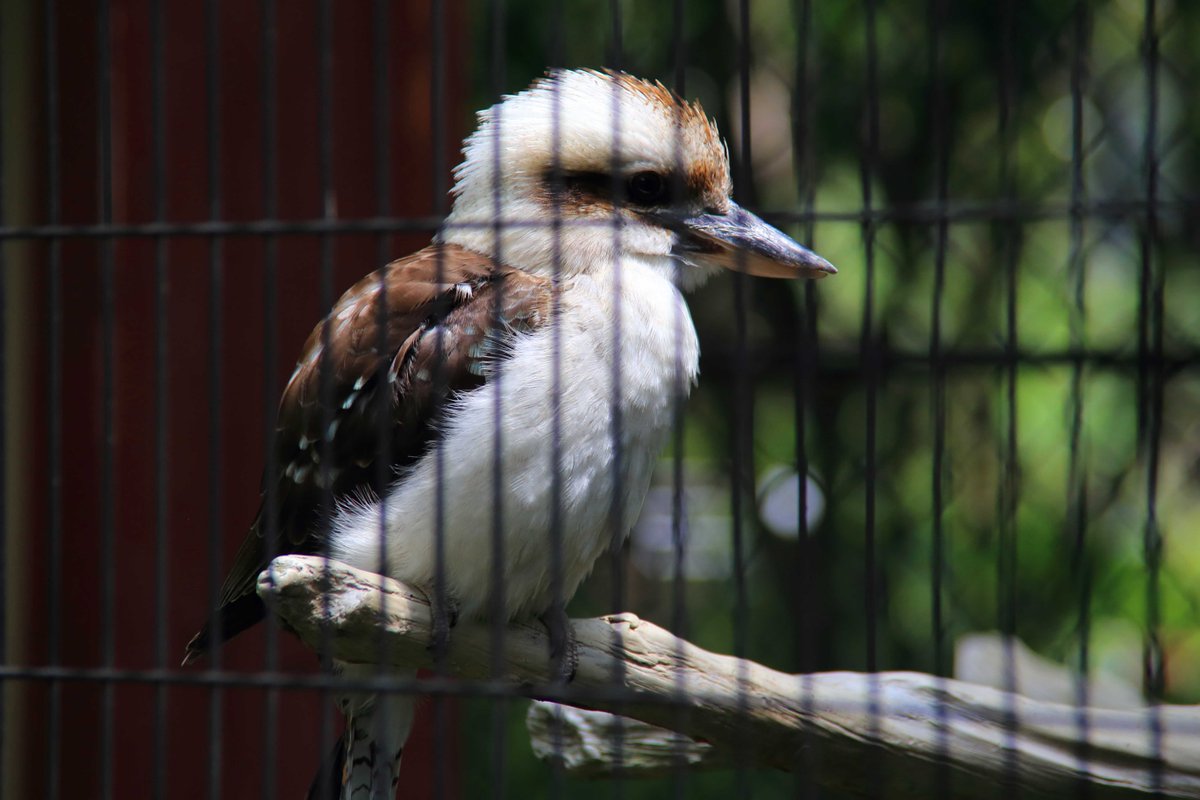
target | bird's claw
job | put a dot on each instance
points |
(564, 649)
(444, 611)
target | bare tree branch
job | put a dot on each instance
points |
(896, 734)
(597, 744)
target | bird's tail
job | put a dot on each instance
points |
(365, 762)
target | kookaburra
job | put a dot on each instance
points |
(542, 331)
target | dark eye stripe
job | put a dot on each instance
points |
(646, 188)
(595, 185)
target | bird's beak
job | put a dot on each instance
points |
(740, 241)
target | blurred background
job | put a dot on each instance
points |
(985, 422)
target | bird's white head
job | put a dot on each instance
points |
(585, 168)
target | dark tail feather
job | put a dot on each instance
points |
(234, 618)
(327, 783)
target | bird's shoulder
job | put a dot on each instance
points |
(375, 373)
(443, 288)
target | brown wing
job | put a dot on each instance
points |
(365, 396)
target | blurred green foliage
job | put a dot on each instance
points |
(1043, 533)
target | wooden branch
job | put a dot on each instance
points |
(893, 734)
(597, 744)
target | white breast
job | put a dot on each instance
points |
(659, 357)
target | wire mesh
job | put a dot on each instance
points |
(975, 413)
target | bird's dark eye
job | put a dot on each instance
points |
(647, 189)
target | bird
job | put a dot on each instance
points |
(528, 362)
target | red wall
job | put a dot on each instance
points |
(238, 430)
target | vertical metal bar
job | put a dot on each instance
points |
(161, 362)
(870, 355)
(500, 706)
(1150, 359)
(54, 337)
(679, 772)
(806, 594)
(108, 564)
(940, 147)
(941, 157)
(1076, 522)
(870, 360)
(1006, 561)
(383, 163)
(382, 400)
(215, 382)
(803, 129)
(557, 599)
(4, 400)
(741, 458)
(271, 361)
(270, 520)
(556, 521)
(437, 109)
(327, 199)
(437, 99)
(616, 418)
(383, 177)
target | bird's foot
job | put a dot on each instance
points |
(444, 611)
(564, 649)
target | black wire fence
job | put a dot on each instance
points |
(984, 422)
